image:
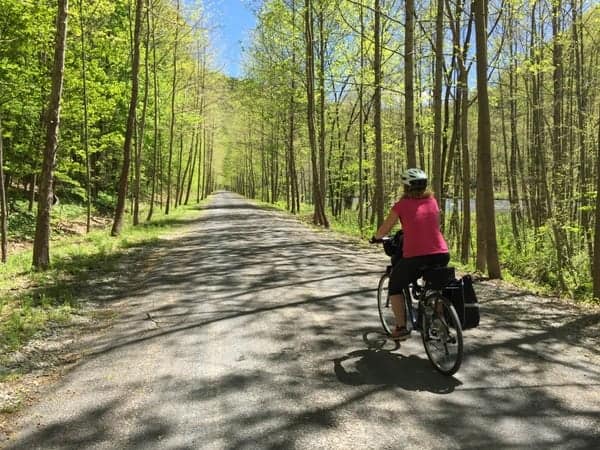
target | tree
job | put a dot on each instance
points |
(150, 25)
(41, 244)
(3, 209)
(139, 147)
(436, 175)
(409, 98)
(319, 213)
(135, 67)
(84, 136)
(378, 200)
(596, 261)
(486, 220)
(172, 124)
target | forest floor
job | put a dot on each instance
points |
(522, 334)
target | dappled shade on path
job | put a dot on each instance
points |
(252, 330)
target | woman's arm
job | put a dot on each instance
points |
(387, 225)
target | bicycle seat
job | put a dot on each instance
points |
(438, 276)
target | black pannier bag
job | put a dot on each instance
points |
(462, 295)
(393, 247)
(439, 277)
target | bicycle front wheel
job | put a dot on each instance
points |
(386, 315)
(442, 335)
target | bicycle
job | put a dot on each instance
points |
(432, 314)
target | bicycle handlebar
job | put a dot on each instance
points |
(373, 240)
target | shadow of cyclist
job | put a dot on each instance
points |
(377, 365)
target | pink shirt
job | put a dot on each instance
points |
(421, 225)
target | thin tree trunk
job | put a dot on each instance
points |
(204, 158)
(582, 101)
(3, 209)
(409, 94)
(191, 157)
(178, 179)
(295, 195)
(378, 200)
(514, 142)
(596, 261)
(202, 133)
(510, 174)
(172, 127)
(322, 173)
(32, 191)
(361, 212)
(486, 221)
(319, 213)
(155, 153)
(41, 244)
(558, 147)
(193, 168)
(85, 121)
(140, 138)
(118, 222)
(436, 174)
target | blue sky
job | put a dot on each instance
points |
(233, 20)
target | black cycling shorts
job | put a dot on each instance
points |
(407, 270)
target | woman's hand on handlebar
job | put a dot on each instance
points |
(375, 240)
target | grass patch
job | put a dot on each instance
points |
(11, 407)
(31, 301)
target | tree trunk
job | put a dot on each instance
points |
(188, 167)
(155, 141)
(322, 174)
(172, 126)
(581, 101)
(486, 220)
(3, 209)
(409, 94)
(32, 191)
(378, 200)
(515, 208)
(85, 121)
(596, 262)
(178, 179)
(142, 131)
(319, 212)
(361, 212)
(193, 168)
(508, 168)
(41, 244)
(204, 159)
(558, 147)
(135, 67)
(293, 177)
(466, 168)
(436, 172)
(202, 134)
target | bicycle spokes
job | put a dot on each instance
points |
(442, 336)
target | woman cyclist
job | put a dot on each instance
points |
(423, 245)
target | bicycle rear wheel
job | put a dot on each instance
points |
(442, 335)
(386, 315)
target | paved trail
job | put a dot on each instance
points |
(253, 331)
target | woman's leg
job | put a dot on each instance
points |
(399, 309)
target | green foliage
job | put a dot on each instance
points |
(536, 260)
(21, 225)
(29, 315)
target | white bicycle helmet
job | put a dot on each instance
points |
(414, 178)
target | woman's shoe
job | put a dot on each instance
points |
(400, 333)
